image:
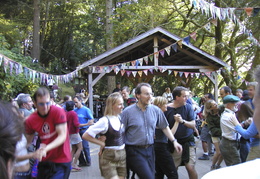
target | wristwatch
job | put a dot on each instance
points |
(174, 140)
(183, 122)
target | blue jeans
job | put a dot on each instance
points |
(84, 157)
(244, 149)
(50, 170)
(23, 175)
(164, 164)
(141, 161)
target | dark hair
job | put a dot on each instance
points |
(11, 129)
(126, 88)
(70, 105)
(245, 96)
(226, 89)
(42, 91)
(210, 95)
(139, 86)
(177, 91)
(66, 97)
(78, 97)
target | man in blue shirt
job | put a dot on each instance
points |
(85, 117)
(141, 120)
(181, 112)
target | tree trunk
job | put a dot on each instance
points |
(36, 30)
(111, 80)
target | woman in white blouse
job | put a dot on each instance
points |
(112, 157)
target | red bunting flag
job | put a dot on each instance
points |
(249, 11)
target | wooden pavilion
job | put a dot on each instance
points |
(154, 52)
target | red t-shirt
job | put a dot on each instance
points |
(45, 127)
(73, 122)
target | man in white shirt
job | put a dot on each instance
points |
(229, 144)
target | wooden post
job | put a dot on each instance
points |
(155, 49)
(90, 91)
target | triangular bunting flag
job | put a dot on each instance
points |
(136, 63)
(175, 73)
(128, 73)
(186, 74)
(133, 63)
(5, 64)
(191, 75)
(215, 22)
(140, 60)
(11, 67)
(127, 64)
(180, 43)
(193, 35)
(140, 73)
(1, 59)
(151, 58)
(207, 27)
(181, 73)
(151, 70)
(174, 47)
(187, 40)
(134, 73)
(168, 50)
(146, 60)
(249, 11)
(162, 52)
(169, 72)
(145, 72)
(122, 72)
(197, 75)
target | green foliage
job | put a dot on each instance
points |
(73, 32)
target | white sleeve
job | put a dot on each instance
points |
(101, 126)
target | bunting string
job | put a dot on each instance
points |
(209, 9)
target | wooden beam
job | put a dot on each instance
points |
(107, 56)
(196, 57)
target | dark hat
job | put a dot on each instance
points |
(230, 99)
(118, 83)
(131, 100)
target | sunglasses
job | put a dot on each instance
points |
(43, 104)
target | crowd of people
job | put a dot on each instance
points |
(139, 134)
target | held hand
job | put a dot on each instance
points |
(178, 118)
(178, 147)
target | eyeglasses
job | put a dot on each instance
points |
(43, 104)
(148, 94)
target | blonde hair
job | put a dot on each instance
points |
(111, 100)
(160, 101)
(207, 107)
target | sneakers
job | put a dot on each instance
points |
(213, 167)
(218, 166)
(84, 164)
(204, 157)
(211, 153)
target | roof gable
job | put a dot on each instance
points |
(187, 58)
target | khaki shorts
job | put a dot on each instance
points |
(112, 163)
(177, 157)
(215, 140)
